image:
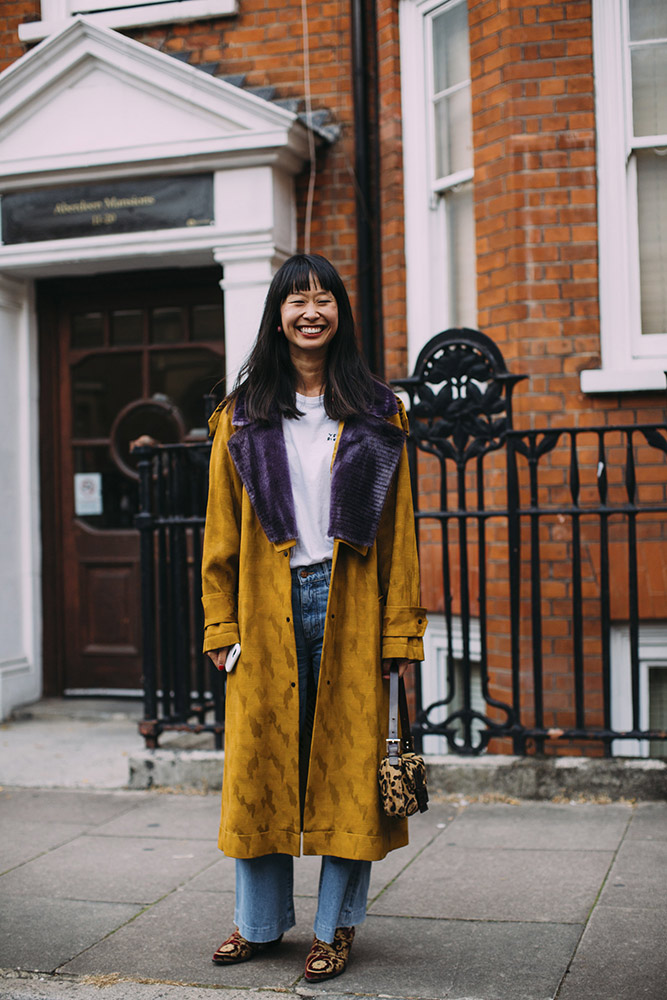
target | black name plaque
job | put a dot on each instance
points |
(123, 206)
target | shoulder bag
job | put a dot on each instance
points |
(402, 774)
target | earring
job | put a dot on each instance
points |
(280, 329)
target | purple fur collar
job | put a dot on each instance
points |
(366, 460)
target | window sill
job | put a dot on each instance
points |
(165, 12)
(625, 379)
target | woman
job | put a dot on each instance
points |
(310, 563)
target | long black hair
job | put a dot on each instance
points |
(268, 377)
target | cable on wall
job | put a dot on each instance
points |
(311, 140)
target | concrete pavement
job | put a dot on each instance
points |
(109, 894)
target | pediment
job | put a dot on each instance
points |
(90, 97)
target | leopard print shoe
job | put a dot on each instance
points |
(325, 961)
(236, 949)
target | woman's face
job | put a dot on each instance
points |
(309, 319)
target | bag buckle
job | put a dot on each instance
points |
(393, 748)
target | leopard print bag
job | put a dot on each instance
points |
(402, 773)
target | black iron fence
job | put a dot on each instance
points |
(182, 688)
(542, 543)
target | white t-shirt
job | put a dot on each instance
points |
(310, 442)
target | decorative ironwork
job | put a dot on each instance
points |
(460, 396)
(460, 412)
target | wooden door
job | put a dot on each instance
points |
(129, 355)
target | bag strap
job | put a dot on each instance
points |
(408, 745)
(398, 705)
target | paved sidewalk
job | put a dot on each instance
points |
(111, 894)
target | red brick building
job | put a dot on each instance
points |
(492, 164)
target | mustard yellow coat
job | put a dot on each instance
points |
(373, 612)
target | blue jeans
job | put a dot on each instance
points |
(264, 886)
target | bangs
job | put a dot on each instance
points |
(299, 272)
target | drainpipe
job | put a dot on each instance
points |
(366, 162)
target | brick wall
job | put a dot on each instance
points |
(536, 223)
(13, 13)
(265, 43)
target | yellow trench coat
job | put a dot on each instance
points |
(373, 612)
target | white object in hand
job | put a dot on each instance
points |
(232, 657)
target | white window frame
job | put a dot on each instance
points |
(629, 363)
(122, 14)
(652, 653)
(434, 673)
(426, 244)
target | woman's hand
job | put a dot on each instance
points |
(219, 656)
(402, 666)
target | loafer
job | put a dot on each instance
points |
(236, 949)
(325, 961)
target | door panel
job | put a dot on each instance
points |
(135, 355)
(108, 590)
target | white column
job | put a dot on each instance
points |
(244, 283)
(20, 607)
(255, 215)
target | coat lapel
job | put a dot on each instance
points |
(260, 456)
(366, 459)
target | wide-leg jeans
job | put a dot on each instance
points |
(265, 886)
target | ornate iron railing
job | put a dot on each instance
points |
(535, 544)
(182, 688)
(549, 525)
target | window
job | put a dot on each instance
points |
(652, 688)
(122, 13)
(438, 161)
(446, 689)
(630, 49)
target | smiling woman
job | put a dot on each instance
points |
(310, 563)
(309, 321)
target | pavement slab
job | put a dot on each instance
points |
(63, 806)
(546, 826)
(175, 939)
(457, 883)
(188, 817)
(640, 868)
(31, 824)
(42, 934)
(622, 956)
(22, 842)
(220, 877)
(649, 821)
(453, 959)
(110, 869)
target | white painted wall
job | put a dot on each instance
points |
(20, 610)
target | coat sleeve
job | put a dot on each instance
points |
(404, 620)
(222, 535)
